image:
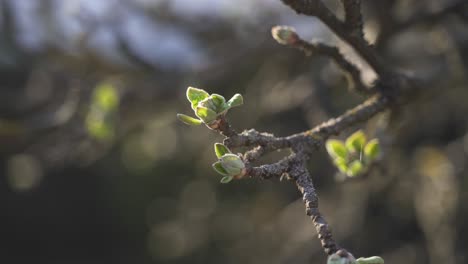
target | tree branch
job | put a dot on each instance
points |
(353, 16)
(318, 9)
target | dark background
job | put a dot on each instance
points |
(140, 189)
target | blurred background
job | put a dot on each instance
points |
(94, 167)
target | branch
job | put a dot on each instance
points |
(353, 16)
(318, 9)
(345, 65)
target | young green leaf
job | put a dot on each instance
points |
(221, 150)
(219, 102)
(232, 164)
(189, 120)
(341, 164)
(226, 179)
(205, 114)
(195, 95)
(370, 260)
(236, 100)
(356, 142)
(219, 168)
(355, 168)
(372, 150)
(336, 148)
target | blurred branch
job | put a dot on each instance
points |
(318, 9)
(353, 16)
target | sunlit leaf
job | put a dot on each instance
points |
(195, 95)
(355, 168)
(189, 120)
(341, 164)
(205, 114)
(372, 150)
(219, 168)
(106, 97)
(219, 102)
(356, 142)
(336, 149)
(236, 100)
(221, 150)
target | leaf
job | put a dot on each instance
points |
(372, 150)
(189, 120)
(232, 164)
(341, 164)
(221, 150)
(356, 141)
(355, 168)
(219, 168)
(219, 102)
(105, 95)
(226, 179)
(205, 114)
(236, 100)
(195, 95)
(336, 149)
(370, 260)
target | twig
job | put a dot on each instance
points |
(353, 16)
(318, 9)
(346, 66)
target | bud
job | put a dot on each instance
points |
(284, 35)
(233, 164)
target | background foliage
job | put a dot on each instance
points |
(95, 167)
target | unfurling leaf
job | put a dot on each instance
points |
(341, 164)
(195, 95)
(355, 168)
(219, 168)
(189, 120)
(219, 103)
(205, 114)
(372, 150)
(284, 35)
(232, 164)
(356, 142)
(226, 179)
(236, 100)
(221, 150)
(336, 149)
(370, 260)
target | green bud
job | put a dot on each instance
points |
(219, 168)
(195, 95)
(370, 260)
(336, 149)
(236, 100)
(189, 120)
(205, 114)
(284, 35)
(372, 150)
(221, 150)
(355, 168)
(232, 164)
(356, 142)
